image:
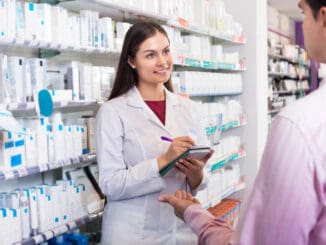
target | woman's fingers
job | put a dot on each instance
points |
(185, 139)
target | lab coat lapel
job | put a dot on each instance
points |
(134, 99)
(171, 112)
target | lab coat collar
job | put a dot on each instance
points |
(134, 99)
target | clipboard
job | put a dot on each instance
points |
(197, 152)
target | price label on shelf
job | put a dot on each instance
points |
(48, 235)
(2, 176)
(38, 239)
(183, 22)
(71, 225)
(33, 170)
(209, 64)
(210, 130)
(43, 167)
(9, 175)
(64, 162)
(180, 60)
(193, 62)
(60, 230)
(22, 172)
(75, 160)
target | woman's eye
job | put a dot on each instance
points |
(150, 56)
(167, 51)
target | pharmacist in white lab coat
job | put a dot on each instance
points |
(130, 152)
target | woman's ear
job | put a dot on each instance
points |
(131, 63)
(323, 19)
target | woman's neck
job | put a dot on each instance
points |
(152, 93)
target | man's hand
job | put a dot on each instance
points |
(180, 201)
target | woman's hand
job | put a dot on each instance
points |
(178, 146)
(193, 169)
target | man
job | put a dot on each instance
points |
(288, 201)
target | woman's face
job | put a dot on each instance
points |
(313, 31)
(153, 61)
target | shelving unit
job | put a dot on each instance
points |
(209, 65)
(29, 108)
(221, 163)
(59, 230)
(26, 171)
(288, 63)
(27, 44)
(228, 192)
(225, 127)
(286, 80)
(127, 13)
(294, 61)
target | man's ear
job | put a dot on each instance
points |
(131, 63)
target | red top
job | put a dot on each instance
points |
(158, 107)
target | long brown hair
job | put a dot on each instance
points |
(127, 77)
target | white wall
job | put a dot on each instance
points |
(253, 16)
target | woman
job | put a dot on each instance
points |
(130, 153)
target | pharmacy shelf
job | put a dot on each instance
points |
(59, 230)
(232, 125)
(227, 160)
(29, 108)
(286, 75)
(184, 61)
(290, 92)
(279, 74)
(211, 94)
(75, 106)
(186, 26)
(281, 57)
(187, 95)
(26, 171)
(227, 192)
(225, 127)
(50, 49)
(123, 12)
(233, 189)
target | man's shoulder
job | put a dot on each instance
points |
(307, 112)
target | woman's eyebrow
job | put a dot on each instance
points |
(152, 50)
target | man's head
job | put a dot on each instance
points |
(315, 5)
(314, 28)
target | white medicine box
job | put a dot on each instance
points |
(12, 151)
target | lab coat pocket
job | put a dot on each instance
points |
(152, 212)
(158, 216)
(167, 220)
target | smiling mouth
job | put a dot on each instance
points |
(162, 71)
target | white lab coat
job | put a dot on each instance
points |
(128, 143)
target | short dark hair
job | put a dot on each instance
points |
(316, 5)
(126, 77)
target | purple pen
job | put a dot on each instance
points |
(166, 138)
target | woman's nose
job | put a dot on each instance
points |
(161, 59)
